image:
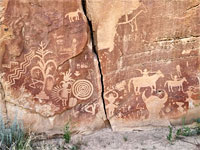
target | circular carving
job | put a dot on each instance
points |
(82, 89)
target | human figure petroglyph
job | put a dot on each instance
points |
(145, 81)
(73, 16)
(175, 83)
(154, 104)
(63, 91)
(178, 69)
(111, 96)
(145, 72)
(191, 102)
(66, 85)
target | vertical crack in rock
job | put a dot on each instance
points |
(96, 53)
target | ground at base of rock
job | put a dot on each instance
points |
(106, 139)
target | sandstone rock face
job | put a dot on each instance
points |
(50, 73)
(148, 51)
(149, 55)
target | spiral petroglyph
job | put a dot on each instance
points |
(82, 89)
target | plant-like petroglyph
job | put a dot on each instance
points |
(154, 104)
(175, 83)
(111, 96)
(145, 81)
(82, 89)
(73, 16)
(111, 21)
(22, 69)
(42, 72)
(133, 21)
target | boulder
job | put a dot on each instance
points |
(50, 72)
(149, 56)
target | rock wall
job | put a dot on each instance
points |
(50, 73)
(146, 52)
(149, 55)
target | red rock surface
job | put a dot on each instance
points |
(51, 74)
(148, 51)
(149, 55)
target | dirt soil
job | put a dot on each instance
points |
(106, 139)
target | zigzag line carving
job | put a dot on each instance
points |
(21, 69)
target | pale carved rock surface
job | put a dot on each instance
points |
(50, 73)
(149, 55)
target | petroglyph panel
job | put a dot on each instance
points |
(149, 55)
(49, 67)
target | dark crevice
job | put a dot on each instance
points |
(96, 53)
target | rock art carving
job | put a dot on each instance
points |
(145, 81)
(62, 92)
(21, 69)
(109, 28)
(73, 16)
(178, 69)
(180, 107)
(82, 89)
(129, 37)
(133, 21)
(91, 107)
(175, 83)
(154, 104)
(6, 33)
(111, 96)
(191, 102)
(44, 68)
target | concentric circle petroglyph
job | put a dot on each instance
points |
(82, 89)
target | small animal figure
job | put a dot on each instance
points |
(73, 16)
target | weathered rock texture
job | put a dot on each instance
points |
(50, 73)
(148, 51)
